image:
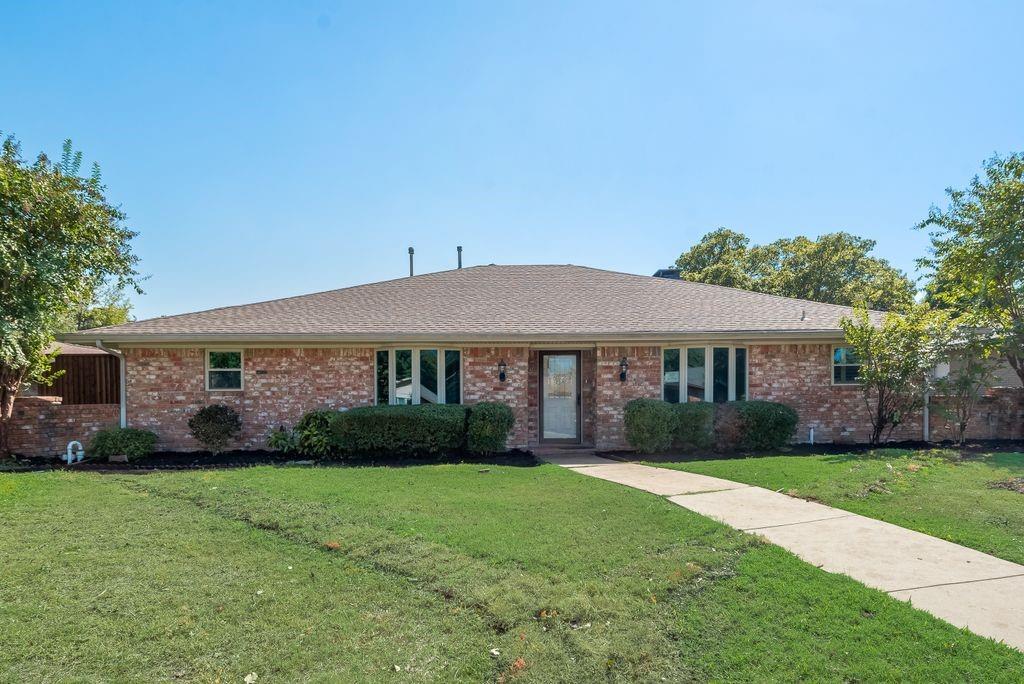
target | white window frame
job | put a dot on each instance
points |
(441, 385)
(240, 369)
(833, 365)
(709, 369)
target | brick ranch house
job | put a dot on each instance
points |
(565, 346)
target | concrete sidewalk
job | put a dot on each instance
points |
(965, 587)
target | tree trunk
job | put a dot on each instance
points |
(1017, 364)
(10, 383)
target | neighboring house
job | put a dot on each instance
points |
(565, 346)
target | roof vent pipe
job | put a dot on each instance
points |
(411, 252)
(459, 250)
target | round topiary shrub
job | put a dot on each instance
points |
(487, 427)
(650, 425)
(215, 426)
(766, 424)
(129, 442)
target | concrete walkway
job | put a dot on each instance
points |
(965, 587)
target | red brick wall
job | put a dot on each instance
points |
(611, 395)
(998, 415)
(800, 375)
(165, 387)
(480, 383)
(42, 426)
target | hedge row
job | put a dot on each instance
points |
(424, 430)
(653, 425)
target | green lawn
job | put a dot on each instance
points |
(934, 492)
(416, 574)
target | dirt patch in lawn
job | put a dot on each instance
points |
(205, 460)
(1014, 484)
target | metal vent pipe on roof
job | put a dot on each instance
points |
(459, 250)
(411, 252)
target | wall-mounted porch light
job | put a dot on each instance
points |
(623, 367)
(501, 370)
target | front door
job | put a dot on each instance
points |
(560, 397)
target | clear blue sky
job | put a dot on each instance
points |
(266, 150)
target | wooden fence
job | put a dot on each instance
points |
(87, 379)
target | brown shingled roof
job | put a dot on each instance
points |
(496, 303)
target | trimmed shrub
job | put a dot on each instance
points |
(766, 424)
(283, 440)
(215, 426)
(487, 427)
(130, 442)
(650, 425)
(313, 435)
(427, 429)
(695, 425)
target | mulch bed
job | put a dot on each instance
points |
(968, 450)
(205, 460)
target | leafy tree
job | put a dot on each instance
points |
(897, 355)
(977, 254)
(722, 257)
(971, 369)
(60, 241)
(108, 306)
(836, 268)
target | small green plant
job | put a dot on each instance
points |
(650, 425)
(215, 426)
(129, 442)
(283, 440)
(487, 427)
(313, 436)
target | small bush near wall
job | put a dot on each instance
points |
(650, 425)
(753, 425)
(122, 441)
(655, 426)
(426, 429)
(695, 428)
(766, 424)
(313, 435)
(487, 427)
(215, 426)
(284, 440)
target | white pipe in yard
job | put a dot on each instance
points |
(122, 384)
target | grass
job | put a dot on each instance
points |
(935, 492)
(416, 574)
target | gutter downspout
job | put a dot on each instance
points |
(122, 381)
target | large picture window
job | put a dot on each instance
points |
(845, 366)
(223, 369)
(419, 376)
(704, 373)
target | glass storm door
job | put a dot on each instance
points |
(560, 391)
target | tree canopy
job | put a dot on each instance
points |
(836, 268)
(977, 254)
(61, 242)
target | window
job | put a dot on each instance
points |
(419, 376)
(696, 378)
(383, 383)
(741, 374)
(223, 370)
(670, 375)
(723, 379)
(845, 366)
